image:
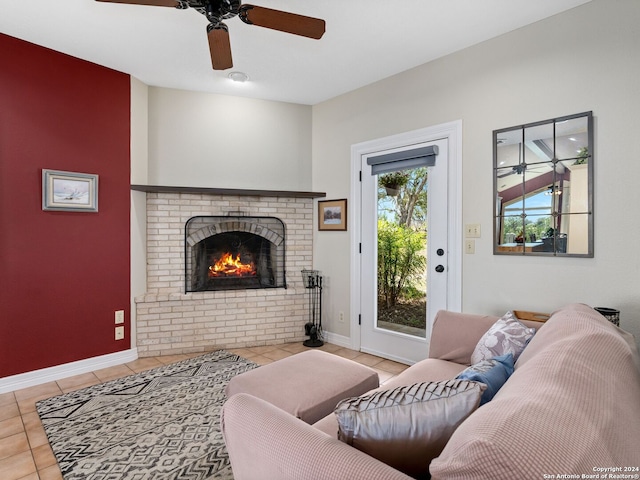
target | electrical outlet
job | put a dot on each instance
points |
(470, 246)
(341, 317)
(472, 230)
(119, 316)
(119, 333)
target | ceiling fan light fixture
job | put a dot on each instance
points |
(239, 77)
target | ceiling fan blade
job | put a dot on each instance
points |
(154, 3)
(283, 21)
(219, 46)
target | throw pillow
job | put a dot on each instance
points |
(493, 373)
(408, 426)
(507, 335)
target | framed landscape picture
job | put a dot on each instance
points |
(69, 191)
(332, 214)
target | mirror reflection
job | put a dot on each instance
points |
(543, 178)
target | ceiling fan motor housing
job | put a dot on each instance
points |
(216, 10)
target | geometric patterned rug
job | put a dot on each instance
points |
(162, 424)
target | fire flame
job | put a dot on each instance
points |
(228, 265)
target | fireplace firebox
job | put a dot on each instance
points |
(234, 252)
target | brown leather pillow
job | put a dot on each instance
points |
(408, 426)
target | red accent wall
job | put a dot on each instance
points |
(62, 274)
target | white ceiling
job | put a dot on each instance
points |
(365, 40)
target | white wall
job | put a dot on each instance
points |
(584, 59)
(207, 140)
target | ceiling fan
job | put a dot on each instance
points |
(218, 33)
(516, 169)
(534, 168)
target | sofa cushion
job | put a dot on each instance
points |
(454, 335)
(406, 427)
(427, 370)
(570, 406)
(507, 335)
(493, 373)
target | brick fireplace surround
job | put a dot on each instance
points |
(170, 321)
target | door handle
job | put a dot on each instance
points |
(440, 269)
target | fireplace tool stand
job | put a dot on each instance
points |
(312, 281)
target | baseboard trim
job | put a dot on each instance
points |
(51, 374)
(336, 339)
(395, 358)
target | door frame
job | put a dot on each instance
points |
(452, 131)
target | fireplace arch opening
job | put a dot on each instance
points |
(234, 252)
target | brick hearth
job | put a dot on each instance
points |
(172, 322)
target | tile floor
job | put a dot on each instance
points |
(25, 453)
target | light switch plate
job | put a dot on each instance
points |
(470, 246)
(472, 230)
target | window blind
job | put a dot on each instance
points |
(393, 162)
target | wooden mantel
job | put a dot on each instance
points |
(226, 191)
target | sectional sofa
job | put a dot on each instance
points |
(569, 409)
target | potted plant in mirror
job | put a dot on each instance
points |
(583, 156)
(392, 182)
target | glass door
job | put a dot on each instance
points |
(403, 268)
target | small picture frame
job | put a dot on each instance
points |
(332, 215)
(69, 191)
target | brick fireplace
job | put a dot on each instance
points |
(170, 321)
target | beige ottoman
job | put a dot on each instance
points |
(308, 385)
